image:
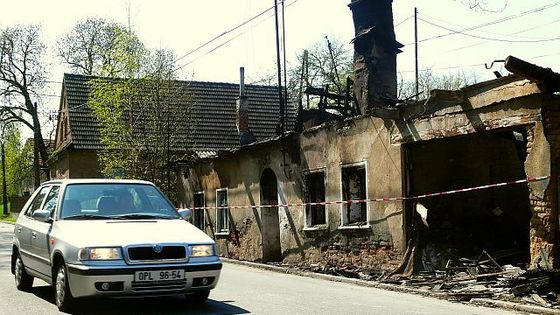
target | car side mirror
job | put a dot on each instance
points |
(42, 215)
(185, 213)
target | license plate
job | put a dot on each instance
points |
(159, 275)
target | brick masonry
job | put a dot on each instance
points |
(544, 222)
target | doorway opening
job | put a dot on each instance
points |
(271, 247)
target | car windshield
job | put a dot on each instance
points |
(115, 202)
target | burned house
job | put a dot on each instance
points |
(449, 176)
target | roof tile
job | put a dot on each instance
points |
(212, 116)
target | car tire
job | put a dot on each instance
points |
(62, 295)
(24, 282)
(198, 297)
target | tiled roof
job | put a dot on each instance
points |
(212, 115)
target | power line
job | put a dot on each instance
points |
(518, 32)
(478, 64)
(485, 32)
(535, 27)
(229, 40)
(404, 20)
(224, 33)
(508, 18)
(209, 52)
(488, 38)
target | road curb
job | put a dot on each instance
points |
(396, 288)
(6, 222)
(533, 309)
(364, 283)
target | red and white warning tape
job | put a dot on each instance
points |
(450, 192)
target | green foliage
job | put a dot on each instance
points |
(19, 160)
(140, 117)
(96, 46)
(9, 218)
(110, 100)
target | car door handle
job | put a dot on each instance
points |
(19, 229)
(34, 235)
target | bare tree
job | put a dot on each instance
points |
(22, 76)
(325, 66)
(96, 46)
(428, 81)
(484, 5)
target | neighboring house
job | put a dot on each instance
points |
(211, 127)
(498, 131)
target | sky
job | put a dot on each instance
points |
(452, 37)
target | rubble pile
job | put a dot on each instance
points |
(464, 279)
(348, 271)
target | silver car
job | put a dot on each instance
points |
(110, 238)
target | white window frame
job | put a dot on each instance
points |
(204, 222)
(307, 225)
(343, 223)
(226, 230)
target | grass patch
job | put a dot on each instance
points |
(9, 218)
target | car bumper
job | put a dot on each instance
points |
(88, 280)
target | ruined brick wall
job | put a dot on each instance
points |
(349, 253)
(544, 197)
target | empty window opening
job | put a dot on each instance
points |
(354, 188)
(198, 211)
(315, 193)
(222, 211)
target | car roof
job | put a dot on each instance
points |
(96, 181)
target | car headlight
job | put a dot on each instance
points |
(202, 250)
(100, 253)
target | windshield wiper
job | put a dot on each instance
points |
(143, 216)
(88, 217)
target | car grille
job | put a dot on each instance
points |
(147, 253)
(159, 286)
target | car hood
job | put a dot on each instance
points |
(83, 233)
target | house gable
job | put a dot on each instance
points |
(63, 135)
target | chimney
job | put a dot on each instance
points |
(242, 122)
(375, 53)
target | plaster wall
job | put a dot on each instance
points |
(363, 140)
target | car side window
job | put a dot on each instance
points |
(52, 199)
(37, 201)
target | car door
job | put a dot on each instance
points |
(24, 229)
(40, 232)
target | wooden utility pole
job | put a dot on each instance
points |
(416, 49)
(279, 68)
(36, 139)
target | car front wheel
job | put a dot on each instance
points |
(63, 297)
(24, 282)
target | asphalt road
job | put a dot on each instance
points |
(241, 290)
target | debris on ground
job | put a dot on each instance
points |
(483, 277)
